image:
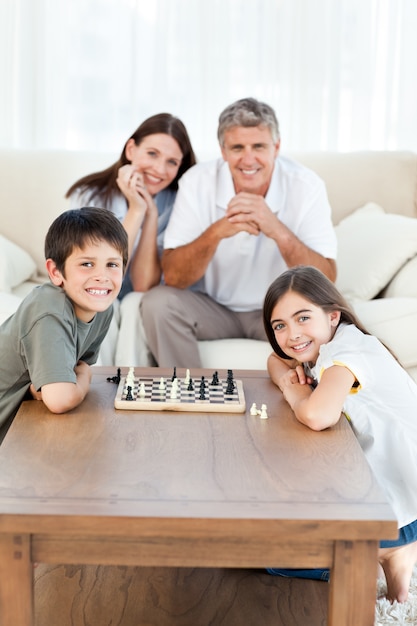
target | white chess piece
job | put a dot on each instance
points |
(253, 409)
(142, 392)
(173, 395)
(263, 414)
(130, 377)
(174, 389)
(162, 383)
(187, 377)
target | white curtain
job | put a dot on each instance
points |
(82, 74)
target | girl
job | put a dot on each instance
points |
(326, 363)
(140, 189)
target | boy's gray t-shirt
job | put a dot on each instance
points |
(41, 344)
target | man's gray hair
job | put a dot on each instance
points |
(248, 112)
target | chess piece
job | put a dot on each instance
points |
(263, 412)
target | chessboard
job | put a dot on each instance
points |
(148, 393)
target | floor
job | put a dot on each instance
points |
(69, 595)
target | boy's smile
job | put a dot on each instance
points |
(92, 278)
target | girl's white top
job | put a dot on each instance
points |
(382, 411)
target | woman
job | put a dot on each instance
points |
(139, 188)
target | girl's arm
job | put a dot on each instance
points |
(319, 408)
(278, 367)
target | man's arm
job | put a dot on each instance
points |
(295, 252)
(246, 206)
(185, 265)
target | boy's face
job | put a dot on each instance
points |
(93, 278)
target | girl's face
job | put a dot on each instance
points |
(158, 158)
(301, 327)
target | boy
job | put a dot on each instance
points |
(49, 343)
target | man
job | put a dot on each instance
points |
(237, 223)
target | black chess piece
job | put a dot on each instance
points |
(230, 387)
(115, 379)
(129, 395)
(174, 375)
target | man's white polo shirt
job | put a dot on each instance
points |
(244, 265)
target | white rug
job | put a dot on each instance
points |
(398, 614)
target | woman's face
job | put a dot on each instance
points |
(158, 158)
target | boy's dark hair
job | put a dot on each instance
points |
(76, 227)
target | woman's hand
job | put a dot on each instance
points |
(132, 186)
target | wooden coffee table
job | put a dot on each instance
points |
(104, 486)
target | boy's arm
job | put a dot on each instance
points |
(62, 397)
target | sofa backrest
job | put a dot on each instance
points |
(34, 183)
(388, 178)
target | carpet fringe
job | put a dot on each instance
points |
(398, 614)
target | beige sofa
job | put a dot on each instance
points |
(374, 202)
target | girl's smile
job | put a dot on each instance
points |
(301, 327)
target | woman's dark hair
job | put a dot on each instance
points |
(103, 184)
(313, 285)
(77, 227)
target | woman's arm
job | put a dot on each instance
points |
(319, 408)
(145, 265)
(130, 183)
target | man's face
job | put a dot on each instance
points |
(250, 153)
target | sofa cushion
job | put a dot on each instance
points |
(372, 247)
(8, 305)
(393, 321)
(404, 283)
(234, 354)
(16, 265)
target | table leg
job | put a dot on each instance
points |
(353, 582)
(16, 581)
